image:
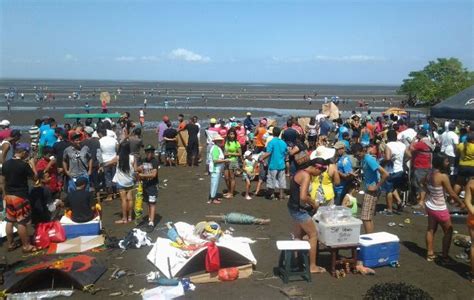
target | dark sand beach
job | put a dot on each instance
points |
(184, 198)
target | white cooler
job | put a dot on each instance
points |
(340, 233)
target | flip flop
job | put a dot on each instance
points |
(319, 270)
(14, 246)
(431, 257)
(31, 249)
(121, 221)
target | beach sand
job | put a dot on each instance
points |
(184, 199)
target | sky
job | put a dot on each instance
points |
(340, 42)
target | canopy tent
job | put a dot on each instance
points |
(459, 106)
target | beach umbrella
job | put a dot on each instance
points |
(105, 97)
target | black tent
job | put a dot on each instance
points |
(459, 106)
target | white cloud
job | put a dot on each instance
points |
(70, 57)
(150, 58)
(187, 55)
(126, 58)
(348, 58)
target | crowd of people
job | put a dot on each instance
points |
(309, 163)
(426, 165)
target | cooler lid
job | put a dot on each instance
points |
(377, 238)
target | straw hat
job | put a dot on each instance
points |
(323, 152)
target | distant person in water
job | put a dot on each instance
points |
(87, 107)
(104, 107)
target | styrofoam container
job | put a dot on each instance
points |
(74, 230)
(340, 233)
(379, 249)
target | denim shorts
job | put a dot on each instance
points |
(299, 215)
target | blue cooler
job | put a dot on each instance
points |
(378, 249)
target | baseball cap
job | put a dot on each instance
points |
(213, 121)
(5, 123)
(249, 113)
(323, 152)
(89, 130)
(339, 145)
(23, 146)
(149, 147)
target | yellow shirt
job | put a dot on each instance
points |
(466, 158)
(328, 187)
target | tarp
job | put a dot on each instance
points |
(233, 252)
(459, 106)
(38, 272)
(331, 110)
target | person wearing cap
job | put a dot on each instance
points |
(248, 166)
(93, 144)
(322, 186)
(161, 142)
(4, 129)
(373, 177)
(16, 172)
(171, 145)
(276, 152)
(77, 162)
(148, 174)
(141, 116)
(345, 170)
(216, 164)
(248, 122)
(300, 202)
(81, 202)
(259, 133)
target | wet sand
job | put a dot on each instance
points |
(184, 199)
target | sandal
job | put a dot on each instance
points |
(30, 249)
(319, 270)
(431, 257)
(121, 221)
(14, 246)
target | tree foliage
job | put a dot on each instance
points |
(437, 81)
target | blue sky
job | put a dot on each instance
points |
(361, 42)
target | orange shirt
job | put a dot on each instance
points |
(259, 140)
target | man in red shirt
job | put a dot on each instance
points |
(5, 129)
(47, 163)
(421, 152)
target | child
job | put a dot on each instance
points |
(350, 200)
(262, 174)
(80, 202)
(249, 172)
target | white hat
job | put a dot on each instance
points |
(5, 123)
(323, 152)
(89, 130)
(247, 153)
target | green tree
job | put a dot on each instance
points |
(437, 81)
